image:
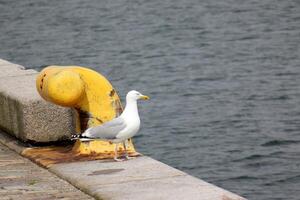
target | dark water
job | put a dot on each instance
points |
(224, 77)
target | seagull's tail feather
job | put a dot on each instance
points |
(77, 137)
(81, 137)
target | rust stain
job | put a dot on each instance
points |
(116, 103)
(84, 117)
(42, 81)
(112, 93)
(47, 156)
(99, 120)
(118, 107)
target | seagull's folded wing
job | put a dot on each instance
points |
(108, 130)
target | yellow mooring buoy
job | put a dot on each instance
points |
(95, 102)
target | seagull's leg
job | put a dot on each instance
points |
(116, 154)
(125, 149)
(126, 153)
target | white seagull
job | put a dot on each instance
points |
(120, 129)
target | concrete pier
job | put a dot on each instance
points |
(24, 114)
(25, 117)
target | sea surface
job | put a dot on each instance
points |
(223, 77)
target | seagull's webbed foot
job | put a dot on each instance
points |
(119, 160)
(129, 157)
(126, 153)
(116, 155)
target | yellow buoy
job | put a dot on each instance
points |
(91, 95)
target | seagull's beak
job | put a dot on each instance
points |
(144, 97)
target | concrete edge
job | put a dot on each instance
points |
(4, 62)
(143, 175)
(12, 143)
(85, 187)
(24, 113)
(161, 173)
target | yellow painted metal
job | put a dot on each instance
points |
(91, 94)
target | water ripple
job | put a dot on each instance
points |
(223, 77)
(279, 142)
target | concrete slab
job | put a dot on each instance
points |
(12, 143)
(25, 115)
(140, 178)
(11, 69)
(97, 172)
(21, 179)
(180, 187)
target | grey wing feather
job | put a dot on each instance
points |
(108, 130)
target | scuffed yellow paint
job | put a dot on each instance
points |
(100, 147)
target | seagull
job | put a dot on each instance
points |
(120, 129)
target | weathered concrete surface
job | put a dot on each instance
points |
(21, 179)
(11, 69)
(24, 114)
(140, 178)
(12, 143)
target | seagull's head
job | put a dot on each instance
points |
(135, 95)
